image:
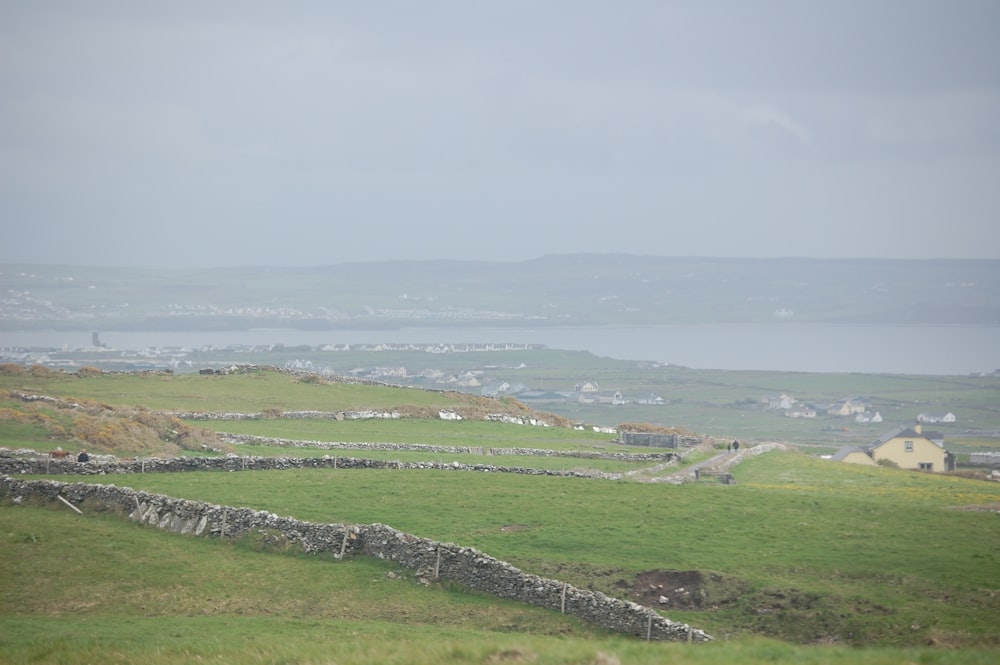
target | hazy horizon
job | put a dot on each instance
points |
(290, 266)
(306, 133)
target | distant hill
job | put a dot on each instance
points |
(575, 289)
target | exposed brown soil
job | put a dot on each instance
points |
(685, 589)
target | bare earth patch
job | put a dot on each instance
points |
(685, 589)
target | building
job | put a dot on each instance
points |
(780, 402)
(849, 407)
(936, 418)
(907, 447)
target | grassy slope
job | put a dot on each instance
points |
(253, 392)
(813, 549)
(716, 402)
(97, 589)
(792, 523)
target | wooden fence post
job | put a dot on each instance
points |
(59, 496)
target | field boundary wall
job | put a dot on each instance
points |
(58, 467)
(431, 559)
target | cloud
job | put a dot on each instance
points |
(495, 129)
(766, 116)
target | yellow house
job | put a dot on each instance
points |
(909, 448)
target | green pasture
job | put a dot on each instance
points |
(726, 404)
(798, 556)
(802, 549)
(729, 403)
(95, 588)
(250, 392)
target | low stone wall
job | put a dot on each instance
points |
(288, 415)
(655, 440)
(435, 560)
(34, 466)
(984, 459)
(243, 439)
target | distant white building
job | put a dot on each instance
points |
(936, 418)
(780, 402)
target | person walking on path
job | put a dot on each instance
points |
(736, 446)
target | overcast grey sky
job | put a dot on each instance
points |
(197, 134)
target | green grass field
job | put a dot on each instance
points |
(96, 589)
(798, 560)
(727, 404)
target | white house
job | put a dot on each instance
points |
(780, 402)
(848, 407)
(936, 417)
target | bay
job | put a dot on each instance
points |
(785, 346)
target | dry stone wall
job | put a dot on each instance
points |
(23, 466)
(429, 558)
(655, 440)
(245, 439)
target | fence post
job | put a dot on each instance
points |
(59, 496)
(563, 604)
(437, 564)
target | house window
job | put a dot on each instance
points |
(908, 446)
(926, 466)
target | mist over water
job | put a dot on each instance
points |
(899, 349)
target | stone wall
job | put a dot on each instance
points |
(984, 459)
(655, 440)
(34, 466)
(242, 439)
(431, 559)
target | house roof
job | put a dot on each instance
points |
(908, 432)
(842, 454)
